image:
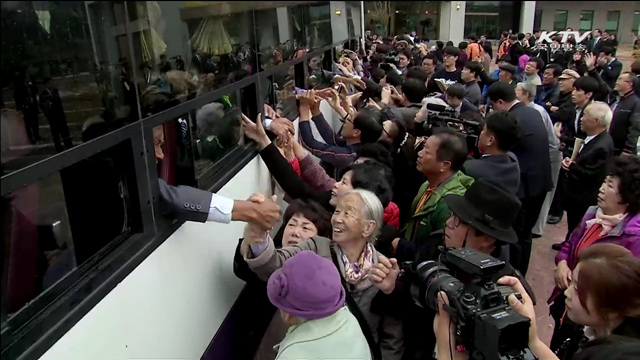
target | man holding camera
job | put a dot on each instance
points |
(481, 219)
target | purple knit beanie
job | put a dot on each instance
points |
(307, 286)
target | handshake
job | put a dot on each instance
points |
(260, 213)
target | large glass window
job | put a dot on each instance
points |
(613, 21)
(104, 86)
(482, 18)
(537, 20)
(586, 20)
(560, 20)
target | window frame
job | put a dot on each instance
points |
(592, 12)
(610, 30)
(31, 331)
(566, 19)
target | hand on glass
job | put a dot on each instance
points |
(255, 131)
(308, 99)
(281, 127)
(269, 112)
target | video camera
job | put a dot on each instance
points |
(443, 116)
(485, 323)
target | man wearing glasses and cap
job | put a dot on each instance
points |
(481, 219)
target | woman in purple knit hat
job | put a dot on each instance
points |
(309, 294)
(615, 220)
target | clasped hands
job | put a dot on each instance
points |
(256, 230)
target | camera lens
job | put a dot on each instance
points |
(433, 278)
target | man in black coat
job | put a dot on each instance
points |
(499, 135)
(625, 125)
(588, 170)
(535, 170)
(609, 67)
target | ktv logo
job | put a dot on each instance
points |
(545, 36)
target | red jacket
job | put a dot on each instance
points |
(391, 215)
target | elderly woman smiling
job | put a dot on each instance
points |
(356, 222)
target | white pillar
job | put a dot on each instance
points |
(339, 29)
(452, 21)
(282, 16)
(527, 15)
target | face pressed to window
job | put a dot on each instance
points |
(297, 229)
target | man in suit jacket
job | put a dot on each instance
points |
(596, 43)
(535, 170)
(499, 135)
(588, 170)
(191, 204)
(455, 98)
(610, 68)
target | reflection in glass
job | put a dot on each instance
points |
(47, 228)
(38, 239)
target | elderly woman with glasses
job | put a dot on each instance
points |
(356, 222)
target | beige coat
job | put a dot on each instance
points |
(388, 328)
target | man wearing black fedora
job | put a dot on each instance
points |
(481, 219)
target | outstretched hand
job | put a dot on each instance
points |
(255, 131)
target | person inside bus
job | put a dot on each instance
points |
(192, 204)
(301, 220)
(356, 222)
(616, 219)
(310, 297)
(603, 297)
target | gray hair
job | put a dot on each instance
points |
(209, 114)
(372, 211)
(601, 111)
(529, 88)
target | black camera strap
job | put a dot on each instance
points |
(355, 310)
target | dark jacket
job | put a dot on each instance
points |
(467, 106)
(501, 169)
(548, 93)
(610, 72)
(334, 150)
(431, 217)
(515, 51)
(625, 125)
(535, 170)
(589, 169)
(184, 202)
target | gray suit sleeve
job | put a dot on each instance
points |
(184, 202)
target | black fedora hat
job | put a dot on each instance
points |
(489, 208)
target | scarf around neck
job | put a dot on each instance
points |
(355, 272)
(608, 222)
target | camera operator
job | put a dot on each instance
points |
(444, 329)
(454, 96)
(481, 219)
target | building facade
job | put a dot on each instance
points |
(456, 20)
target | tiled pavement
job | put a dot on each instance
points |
(540, 275)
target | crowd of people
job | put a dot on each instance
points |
(438, 152)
